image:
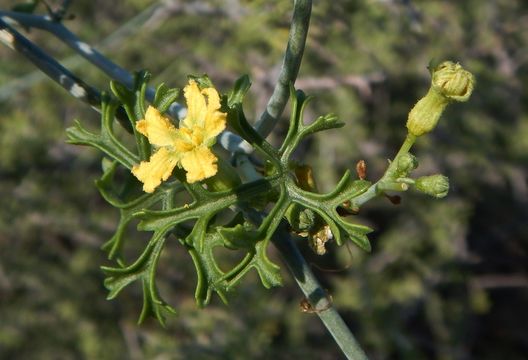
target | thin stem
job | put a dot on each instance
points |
(313, 291)
(377, 188)
(75, 86)
(302, 10)
(125, 31)
(228, 140)
(231, 142)
(56, 28)
(114, 71)
(309, 285)
(290, 67)
(78, 88)
(404, 149)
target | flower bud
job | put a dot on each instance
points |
(450, 82)
(406, 163)
(301, 220)
(434, 185)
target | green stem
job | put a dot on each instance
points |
(388, 178)
(391, 186)
(404, 149)
(309, 285)
(290, 67)
(317, 297)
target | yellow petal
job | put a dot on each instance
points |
(196, 108)
(215, 120)
(151, 173)
(199, 163)
(157, 128)
(213, 99)
(215, 123)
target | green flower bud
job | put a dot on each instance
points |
(301, 220)
(406, 163)
(434, 185)
(450, 82)
(306, 219)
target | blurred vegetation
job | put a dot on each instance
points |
(447, 279)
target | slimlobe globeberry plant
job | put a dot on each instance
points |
(179, 159)
(180, 189)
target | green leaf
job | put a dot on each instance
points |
(129, 199)
(355, 232)
(249, 232)
(326, 122)
(237, 94)
(203, 81)
(106, 140)
(210, 278)
(144, 269)
(241, 236)
(268, 271)
(164, 97)
(153, 305)
(297, 100)
(134, 103)
(197, 236)
(297, 129)
(238, 122)
(125, 95)
(141, 80)
(357, 187)
(301, 219)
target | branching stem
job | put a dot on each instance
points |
(376, 190)
(290, 67)
(288, 74)
(315, 294)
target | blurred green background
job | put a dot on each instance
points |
(447, 279)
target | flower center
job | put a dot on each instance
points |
(191, 139)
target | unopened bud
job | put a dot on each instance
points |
(434, 185)
(406, 163)
(301, 220)
(450, 82)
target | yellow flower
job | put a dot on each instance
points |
(187, 146)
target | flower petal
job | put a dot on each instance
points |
(215, 120)
(213, 99)
(199, 163)
(157, 128)
(215, 124)
(157, 169)
(196, 107)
